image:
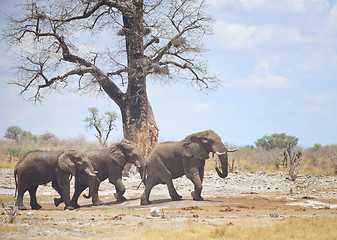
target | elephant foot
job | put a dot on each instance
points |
(58, 201)
(144, 202)
(75, 205)
(22, 207)
(196, 198)
(98, 203)
(176, 198)
(68, 208)
(119, 198)
(36, 207)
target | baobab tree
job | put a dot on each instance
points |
(147, 38)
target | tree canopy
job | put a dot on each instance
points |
(17, 134)
(276, 140)
(59, 45)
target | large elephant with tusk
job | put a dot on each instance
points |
(170, 160)
(40, 167)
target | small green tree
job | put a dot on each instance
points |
(276, 140)
(17, 134)
(103, 124)
(13, 133)
(267, 142)
(317, 146)
(19, 151)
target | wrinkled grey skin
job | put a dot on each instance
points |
(170, 160)
(109, 163)
(41, 167)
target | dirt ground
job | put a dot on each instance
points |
(240, 197)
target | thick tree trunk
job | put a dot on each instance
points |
(139, 124)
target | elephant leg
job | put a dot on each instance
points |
(79, 188)
(33, 201)
(149, 184)
(95, 198)
(166, 177)
(172, 191)
(120, 190)
(64, 185)
(19, 199)
(196, 179)
(57, 201)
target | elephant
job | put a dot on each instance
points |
(40, 167)
(108, 163)
(170, 160)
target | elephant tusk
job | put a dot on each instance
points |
(232, 150)
(92, 174)
(220, 154)
(137, 164)
(95, 172)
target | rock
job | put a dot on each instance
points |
(30, 213)
(155, 212)
(274, 215)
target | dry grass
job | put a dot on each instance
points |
(290, 228)
(11, 228)
(295, 228)
(7, 164)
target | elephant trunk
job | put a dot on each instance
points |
(92, 178)
(92, 184)
(224, 166)
(142, 170)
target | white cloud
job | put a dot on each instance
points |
(247, 24)
(268, 81)
(262, 77)
(236, 37)
(322, 98)
(297, 6)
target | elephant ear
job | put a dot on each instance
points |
(65, 162)
(193, 148)
(116, 152)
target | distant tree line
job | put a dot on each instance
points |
(16, 134)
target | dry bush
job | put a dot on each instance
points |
(321, 161)
(256, 159)
(250, 159)
(48, 144)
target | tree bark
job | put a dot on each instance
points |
(139, 124)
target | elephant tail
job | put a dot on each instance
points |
(16, 183)
(86, 196)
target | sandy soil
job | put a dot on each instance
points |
(241, 196)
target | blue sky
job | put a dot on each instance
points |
(277, 60)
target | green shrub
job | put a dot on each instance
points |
(19, 151)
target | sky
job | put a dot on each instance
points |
(277, 62)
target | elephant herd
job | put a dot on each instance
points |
(167, 161)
